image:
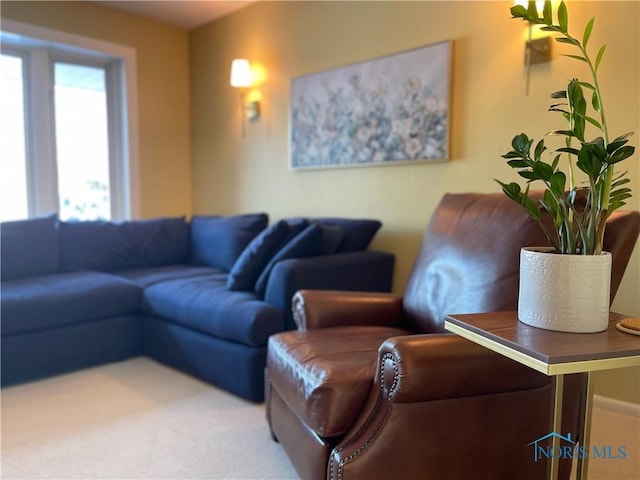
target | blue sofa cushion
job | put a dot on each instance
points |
(219, 241)
(256, 255)
(114, 246)
(29, 247)
(358, 233)
(145, 277)
(315, 240)
(48, 301)
(206, 305)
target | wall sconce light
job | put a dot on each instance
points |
(535, 50)
(241, 78)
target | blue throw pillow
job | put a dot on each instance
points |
(255, 257)
(358, 233)
(219, 241)
(296, 226)
(29, 247)
(313, 241)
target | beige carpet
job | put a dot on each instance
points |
(135, 420)
(140, 420)
(615, 429)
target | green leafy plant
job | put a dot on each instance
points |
(579, 213)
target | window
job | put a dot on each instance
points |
(13, 181)
(82, 141)
(65, 130)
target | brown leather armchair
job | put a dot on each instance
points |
(371, 387)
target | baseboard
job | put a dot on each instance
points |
(617, 406)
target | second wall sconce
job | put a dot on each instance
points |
(535, 50)
(241, 77)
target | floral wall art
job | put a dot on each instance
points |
(390, 110)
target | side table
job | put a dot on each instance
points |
(554, 354)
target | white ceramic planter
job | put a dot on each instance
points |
(566, 293)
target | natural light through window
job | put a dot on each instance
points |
(68, 117)
(13, 181)
(82, 142)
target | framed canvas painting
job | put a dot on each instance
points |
(390, 110)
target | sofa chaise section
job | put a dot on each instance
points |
(58, 300)
(57, 323)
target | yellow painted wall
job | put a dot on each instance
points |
(234, 174)
(163, 91)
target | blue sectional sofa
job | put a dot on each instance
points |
(202, 296)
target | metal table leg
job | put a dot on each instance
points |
(585, 429)
(556, 425)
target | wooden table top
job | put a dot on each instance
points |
(548, 351)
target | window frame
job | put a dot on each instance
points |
(40, 48)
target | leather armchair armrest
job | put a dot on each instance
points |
(443, 366)
(441, 390)
(620, 239)
(328, 308)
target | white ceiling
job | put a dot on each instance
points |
(185, 14)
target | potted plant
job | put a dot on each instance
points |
(578, 212)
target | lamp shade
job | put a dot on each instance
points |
(240, 73)
(525, 4)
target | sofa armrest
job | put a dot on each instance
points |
(356, 271)
(332, 308)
